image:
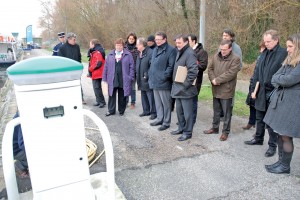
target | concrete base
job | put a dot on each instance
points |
(99, 184)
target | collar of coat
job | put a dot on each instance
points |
(144, 52)
(180, 52)
(227, 57)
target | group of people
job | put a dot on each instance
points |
(163, 73)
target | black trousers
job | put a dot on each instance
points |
(121, 101)
(225, 106)
(252, 116)
(184, 111)
(260, 129)
(98, 91)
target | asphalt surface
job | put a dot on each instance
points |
(150, 164)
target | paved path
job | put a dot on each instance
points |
(153, 165)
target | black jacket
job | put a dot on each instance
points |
(142, 69)
(162, 64)
(185, 57)
(70, 51)
(202, 61)
(269, 63)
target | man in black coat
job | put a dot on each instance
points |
(184, 90)
(143, 63)
(71, 50)
(202, 60)
(270, 61)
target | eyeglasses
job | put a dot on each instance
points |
(158, 39)
(224, 49)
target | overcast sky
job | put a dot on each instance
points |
(16, 15)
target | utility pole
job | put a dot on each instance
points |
(202, 23)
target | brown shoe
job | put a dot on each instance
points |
(211, 131)
(132, 106)
(248, 126)
(224, 137)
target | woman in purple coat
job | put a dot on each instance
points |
(118, 73)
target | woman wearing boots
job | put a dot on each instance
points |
(284, 109)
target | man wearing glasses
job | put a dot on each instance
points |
(61, 38)
(222, 73)
(160, 79)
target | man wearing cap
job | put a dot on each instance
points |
(151, 42)
(61, 38)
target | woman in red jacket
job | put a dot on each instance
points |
(96, 67)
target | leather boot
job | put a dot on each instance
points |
(280, 149)
(284, 166)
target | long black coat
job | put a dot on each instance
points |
(185, 57)
(266, 68)
(284, 109)
(142, 69)
(162, 65)
(202, 61)
(70, 51)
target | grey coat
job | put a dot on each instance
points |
(185, 57)
(283, 114)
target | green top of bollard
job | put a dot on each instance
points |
(43, 65)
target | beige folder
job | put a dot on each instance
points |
(181, 75)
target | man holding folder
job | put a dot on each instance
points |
(183, 88)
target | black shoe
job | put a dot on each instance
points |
(108, 114)
(143, 114)
(280, 169)
(155, 123)
(177, 132)
(184, 137)
(273, 165)
(96, 104)
(177, 123)
(254, 142)
(270, 152)
(152, 117)
(102, 105)
(163, 127)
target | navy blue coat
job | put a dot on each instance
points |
(162, 65)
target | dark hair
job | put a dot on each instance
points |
(229, 32)
(133, 35)
(162, 34)
(120, 41)
(184, 37)
(223, 42)
(262, 44)
(193, 37)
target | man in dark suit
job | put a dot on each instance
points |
(270, 61)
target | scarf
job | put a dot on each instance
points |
(118, 55)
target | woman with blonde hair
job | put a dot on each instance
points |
(284, 109)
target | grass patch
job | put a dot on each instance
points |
(240, 108)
